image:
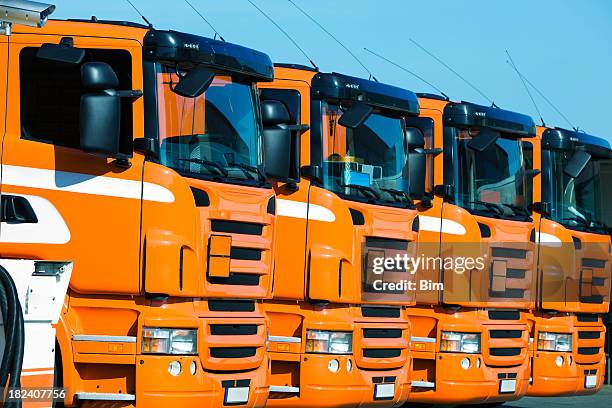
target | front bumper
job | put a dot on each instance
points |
(157, 387)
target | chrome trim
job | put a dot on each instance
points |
(423, 384)
(284, 388)
(284, 339)
(103, 396)
(108, 339)
(417, 339)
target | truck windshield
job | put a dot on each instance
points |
(492, 182)
(213, 136)
(577, 203)
(368, 163)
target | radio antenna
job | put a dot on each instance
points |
(408, 71)
(546, 99)
(286, 34)
(454, 72)
(206, 21)
(513, 65)
(334, 38)
(139, 13)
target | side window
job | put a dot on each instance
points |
(51, 96)
(426, 126)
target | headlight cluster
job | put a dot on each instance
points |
(554, 341)
(329, 342)
(456, 342)
(158, 340)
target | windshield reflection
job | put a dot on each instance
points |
(368, 163)
(215, 135)
(492, 182)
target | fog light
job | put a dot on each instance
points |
(349, 365)
(192, 368)
(174, 368)
(559, 361)
(465, 363)
(478, 363)
(333, 365)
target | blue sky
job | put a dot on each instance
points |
(564, 47)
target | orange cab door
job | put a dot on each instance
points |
(74, 206)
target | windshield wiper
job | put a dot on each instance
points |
(208, 164)
(365, 190)
(398, 194)
(495, 208)
(518, 210)
(248, 168)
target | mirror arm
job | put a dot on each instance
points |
(299, 128)
(145, 146)
(132, 93)
(434, 152)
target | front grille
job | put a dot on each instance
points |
(370, 311)
(588, 318)
(593, 263)
(510, 293)
(382, 333)
(233, 329)
(382, 353)
(236, 227)
(244, 279)
(504, 315)
(589, 335)
(505, 351)
(245, 254)
(509, 253)
(588, 351)
(231, 305)
(232, 352)
(505, 334)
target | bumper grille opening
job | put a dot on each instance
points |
(588, 351)
(588, 335)
(232, 352)
(369, 311)
(231, 305)
(382, 353)
(233, 329)
(505, 351)
(382, 333)
(236, 227)
(244, 279)
(505, 334)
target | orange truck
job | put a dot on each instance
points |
(136, 222)
(575, 263)
(337, 338)
(470, 337)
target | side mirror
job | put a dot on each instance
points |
(542, 208)
(100, 113)
(274, 113)
(577, 163)
(277, 141)
(483, 140)
(195, 82)
(444, 191)
(355, 115)
(417, 162)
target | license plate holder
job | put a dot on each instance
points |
(384, 391)
(507, 386)
(590, 381)
(236, 396)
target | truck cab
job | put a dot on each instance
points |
(339, 335)
(136, 220)
(470, 339)
(574, 263)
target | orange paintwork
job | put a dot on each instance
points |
(561, 297)
(323, 261)
(124, 248)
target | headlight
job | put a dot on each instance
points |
(329, 342)
(554, 341)
(455, 342)
(157, 340)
